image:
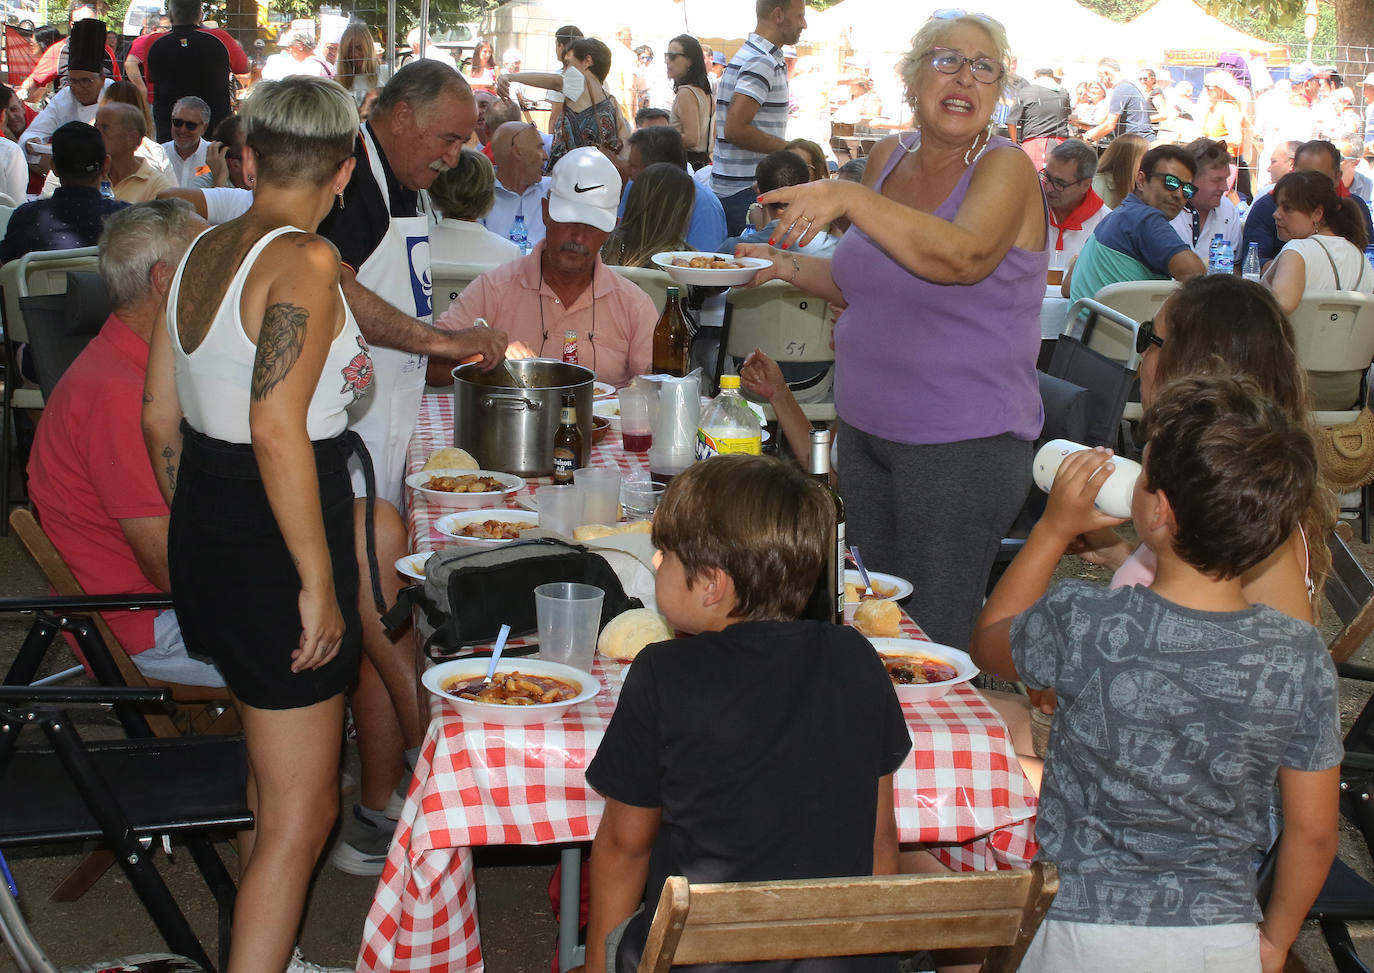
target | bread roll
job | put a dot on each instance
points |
(450, 458)
(626, 634)
(878, 619)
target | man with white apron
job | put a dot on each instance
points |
(381, 227)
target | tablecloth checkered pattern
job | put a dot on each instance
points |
(960, 791)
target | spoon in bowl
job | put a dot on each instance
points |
(859, 563)
(496, 651)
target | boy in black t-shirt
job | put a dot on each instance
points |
(761, 747)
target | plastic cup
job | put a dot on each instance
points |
(560, 508)
(569, 617)
(600, 486)
(636, 428)
(641, 498)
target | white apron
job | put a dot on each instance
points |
(398, 271)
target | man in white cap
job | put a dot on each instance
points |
(297, 56)
(563, 285)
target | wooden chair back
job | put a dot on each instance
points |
(746, 921)
(1350, 592)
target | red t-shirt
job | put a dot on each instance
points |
(51, 60)
(89, 469)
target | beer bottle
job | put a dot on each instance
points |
(672, 338)
(827, 598)
(567, 442)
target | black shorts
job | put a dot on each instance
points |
(235, 587)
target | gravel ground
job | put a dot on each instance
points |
(517, 926)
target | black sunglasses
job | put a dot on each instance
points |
(1145, 337)
(184, 123)
(1059, 184)
(1172, 182)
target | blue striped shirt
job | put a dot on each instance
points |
(756, 71)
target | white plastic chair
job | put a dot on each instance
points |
(653, 282)
(1138, 300)
(449, 279)
(40, 272)
(786, 324)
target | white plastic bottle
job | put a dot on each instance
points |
(1114, 499)
(728, 425)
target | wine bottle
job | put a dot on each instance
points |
(672, 338)
(567, 443)
(827, 601)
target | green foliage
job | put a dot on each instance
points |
(1279, 21)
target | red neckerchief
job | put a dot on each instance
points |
(1341, 191)
(1089, 205)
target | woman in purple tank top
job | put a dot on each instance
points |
(942, 274)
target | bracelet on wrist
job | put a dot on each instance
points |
(796, 268)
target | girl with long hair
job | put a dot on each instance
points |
(1117, 168)
(356, 67)
(657, 212)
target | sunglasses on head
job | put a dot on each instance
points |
(1058, 184)
(1172, 182)
(984, 69)
(185, 123)
(1145, 337)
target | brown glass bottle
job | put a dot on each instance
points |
(672, 338)
(567, 443)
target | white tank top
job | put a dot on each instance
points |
(214, 381)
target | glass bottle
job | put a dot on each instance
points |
(672, 338)
(567, 443)
(830, 586)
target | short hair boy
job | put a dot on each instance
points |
(1180, 704)
(759, 747)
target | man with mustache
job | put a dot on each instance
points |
(563, 285)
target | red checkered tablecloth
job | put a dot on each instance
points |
(960, 791)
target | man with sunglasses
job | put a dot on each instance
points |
(1075, 208)
(1136, 241)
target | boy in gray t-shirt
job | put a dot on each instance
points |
(1179, 705)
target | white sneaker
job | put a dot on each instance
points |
(363, 846)
(299, 964)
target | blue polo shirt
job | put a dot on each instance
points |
(1134, 242)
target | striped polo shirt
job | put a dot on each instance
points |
(758, 72)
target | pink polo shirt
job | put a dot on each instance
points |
(613, 318)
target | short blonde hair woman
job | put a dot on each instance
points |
(249, 379)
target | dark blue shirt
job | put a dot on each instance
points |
(72, 217)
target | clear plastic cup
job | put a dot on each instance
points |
(641, 498)
(600, 486)
(636, 428)
(560, 508)
(569, 618)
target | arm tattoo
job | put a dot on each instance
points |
(279, 346)
(170, 469)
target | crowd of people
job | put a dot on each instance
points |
(261, 234)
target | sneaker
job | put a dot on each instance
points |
(300, 964)
(362, 846)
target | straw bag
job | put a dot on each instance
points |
(1345, 453)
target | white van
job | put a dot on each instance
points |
(138, 15)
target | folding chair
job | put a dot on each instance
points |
(747, 921)
(61, 325)
(1138, 300)
(41, 272)
(1107, 378)
(125, 794)
(788, 325)
(1334, 333)
(449, 279)
(653, 282)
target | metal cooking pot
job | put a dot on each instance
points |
(511, 429)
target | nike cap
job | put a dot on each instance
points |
(585, 189)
